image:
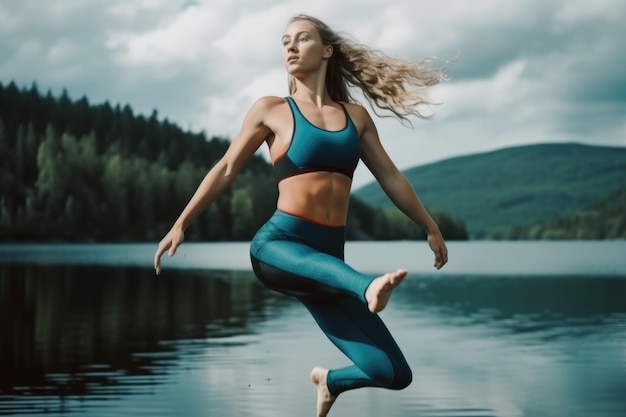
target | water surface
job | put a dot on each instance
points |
(110, 340)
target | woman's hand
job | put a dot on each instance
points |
(171, 241)
(438, 246)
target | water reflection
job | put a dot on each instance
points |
(519, 304)
(526, 346)
(99, 341)
(69, 331)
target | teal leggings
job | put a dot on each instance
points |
(305, 260)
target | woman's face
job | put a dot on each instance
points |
(303, 50)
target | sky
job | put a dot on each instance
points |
(520, 71)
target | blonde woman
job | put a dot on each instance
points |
(316, 136)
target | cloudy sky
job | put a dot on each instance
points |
(525, 71)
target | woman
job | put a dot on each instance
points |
(316, 137)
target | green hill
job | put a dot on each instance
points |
(605, 219)
(514, 186)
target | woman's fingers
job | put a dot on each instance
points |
(176, 241)
(173, 248)
(171, 241)
(441, 257)
(157, 256)
(438, 247)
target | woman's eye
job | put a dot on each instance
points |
(301, 39)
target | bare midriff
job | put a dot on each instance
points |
(321, 197)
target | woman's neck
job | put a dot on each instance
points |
(312, 89)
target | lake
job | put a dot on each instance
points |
(506, 329)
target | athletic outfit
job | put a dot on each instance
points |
(305, 260)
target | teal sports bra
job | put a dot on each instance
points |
(315, 149)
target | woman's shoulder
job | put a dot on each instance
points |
(268, 102)
(357, 112)
(269, 111)
(355, 107)
(264, 107)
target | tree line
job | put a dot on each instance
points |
(73, 171)
(604, 219)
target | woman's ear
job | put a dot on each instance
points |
(328, 51)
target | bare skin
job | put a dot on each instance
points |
(379, 291)
(325, 399)
(377, 296)
(322, 197)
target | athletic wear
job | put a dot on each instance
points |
(306, 260)
(315, 149)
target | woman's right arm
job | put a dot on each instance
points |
(251, 136)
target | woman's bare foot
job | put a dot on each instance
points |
(325, 399)
(379, 291)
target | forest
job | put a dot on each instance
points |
(72, 171)
(604, 219)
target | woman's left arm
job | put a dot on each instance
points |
(398, 188)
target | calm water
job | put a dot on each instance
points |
(89, 331)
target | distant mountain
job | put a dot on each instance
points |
(514, 186)
(604, 219)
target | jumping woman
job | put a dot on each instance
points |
(316, 137)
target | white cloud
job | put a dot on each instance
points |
(527, 70)
(397, 28)
(130, 10)
(254, 37)
(182, 41)
(576, 11)
(485, 96)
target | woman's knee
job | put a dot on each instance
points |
(402, 378)
(389, 374)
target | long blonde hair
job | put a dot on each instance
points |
(388, 83)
